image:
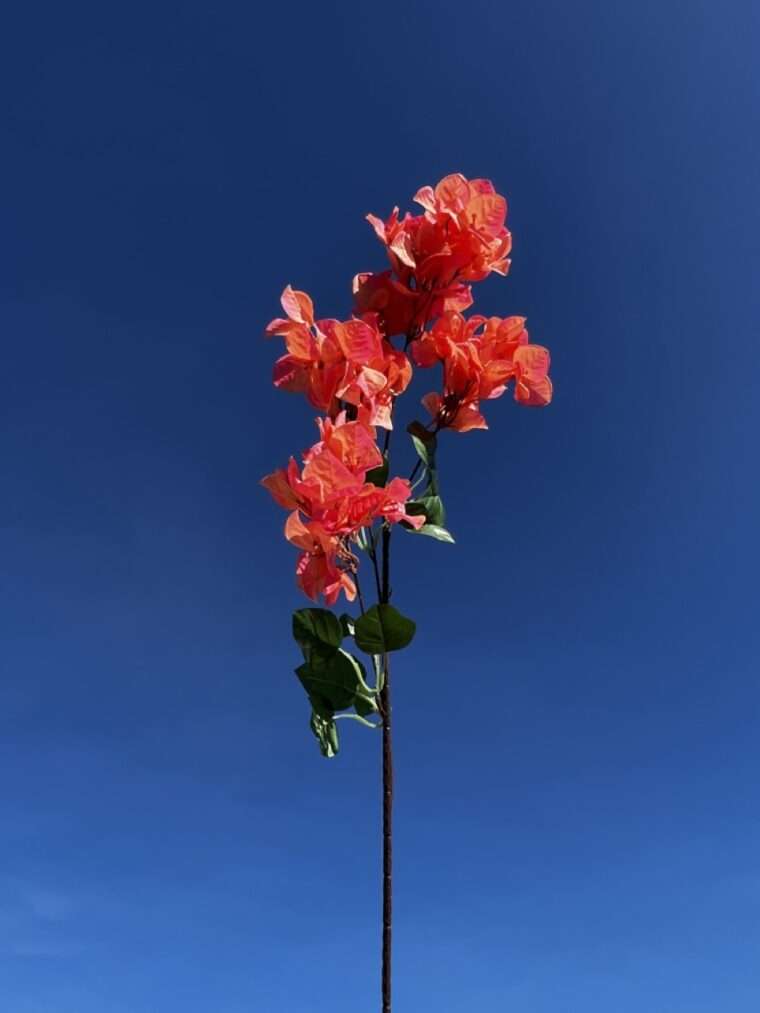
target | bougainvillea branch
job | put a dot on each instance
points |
(341, 500)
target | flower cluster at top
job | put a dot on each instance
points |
(352, 372)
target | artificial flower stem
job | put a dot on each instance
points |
(373, 556)
(385, 710)
(359, 591)
(377, 665)
(356, 717)
(370, 692)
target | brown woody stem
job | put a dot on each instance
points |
(385, 705)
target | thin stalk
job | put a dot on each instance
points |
(385, 707)
(375, 567)
(387, 843)
(356, 717)
(359, 590)
(384, 596)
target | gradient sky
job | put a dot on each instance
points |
(578, 828)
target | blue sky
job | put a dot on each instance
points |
(577, 725)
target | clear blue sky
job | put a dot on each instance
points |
(578, 827)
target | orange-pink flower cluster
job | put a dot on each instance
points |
(338, 363)
(330, 500)
(480, 357)
(461, 237)
(352, 373)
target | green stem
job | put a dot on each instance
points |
(369, 691)
(356, 717)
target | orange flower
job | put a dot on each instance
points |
(353, 443)
(318, 570)
(332, 493)
(532, 386)
(332, 361)
(480, 356)
(314, 363)
(402, 310)
(370, 503)
(461, 236)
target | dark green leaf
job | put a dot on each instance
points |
(383, 629)
(430, 507)
(334, 678)
(321, 706)
(421, 449)
(347, 624)
(431, 489)
(416, 428)
(326, 733)
(364, 706)
(317, 630)
(379, 475)
(424, 442)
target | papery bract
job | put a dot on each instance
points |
(338, 362)
(402, 310)
(318, 570)
(332, 493)
(480, 356)
(461, 236)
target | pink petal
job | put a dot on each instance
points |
(298, 306)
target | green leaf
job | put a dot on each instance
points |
(317, 630)
(347, 624)
(383, 629)
(332, 678)
(430, 507)
(425, 443)
(421, 449)
(434, 531)
(321, 706)
(365, 706)
(326, 733)
(379, 475)
(416, 428)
